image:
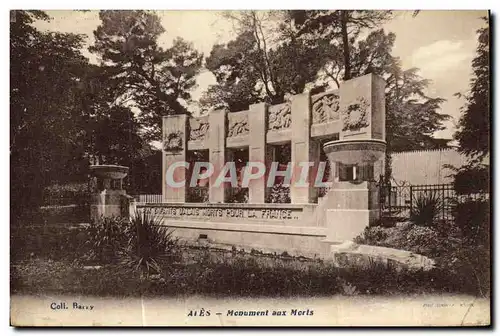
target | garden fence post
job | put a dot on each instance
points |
(443, 202)
(411, 200)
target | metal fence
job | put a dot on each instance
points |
(399, 202)
(193, 195)
(149, 198)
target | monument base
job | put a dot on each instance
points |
(346, 224)
(107, 203)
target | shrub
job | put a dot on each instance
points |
(374, 235)
(106, 237)
(238, 195)
(197, 194)
(423, 240)
(278, 194)
(66, 194)
(461, 266)
(471, 179)
(150, 244)
(472, 217)
(62, 214)
(427, 206)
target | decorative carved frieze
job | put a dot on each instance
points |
(280, 117)
(198, 129)
(325, 108)
(355, 115)
(173, 141)
(237, 124)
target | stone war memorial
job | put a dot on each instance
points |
(249, 168)
(348, 124)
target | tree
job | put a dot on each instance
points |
(154, 79)
(340, 28)
(237, 80)
(474, 125)
(115, 136)
(412, 116)
(112, 132)
(46, 98)
(265, 62)
(239, 67)
(370, 55)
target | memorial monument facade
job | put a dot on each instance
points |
(348, 124)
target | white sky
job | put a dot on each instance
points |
(440, 43)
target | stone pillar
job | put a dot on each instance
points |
(314, 157)
(257, 149)
(362, 107)
(174, 147)
(228, 187)
(361, 144)
(304, 149)
(217, 153)
(270, 158)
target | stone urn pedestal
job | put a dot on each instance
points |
(353, 198)
(108, 198)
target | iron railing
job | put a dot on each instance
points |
(399, 202)
(149, 198)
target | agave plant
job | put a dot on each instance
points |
(150, 243)
(105, 237)
(425, 210)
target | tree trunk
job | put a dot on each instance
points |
(345, 41)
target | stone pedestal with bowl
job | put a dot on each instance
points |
(108, 198)
(353, 200)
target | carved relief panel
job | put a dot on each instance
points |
(355, 115)
(198, 128)
(280, 117)
(173, 141)
(237, 124)
(325, 108)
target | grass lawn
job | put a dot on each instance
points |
(56, 260)
(215, 272)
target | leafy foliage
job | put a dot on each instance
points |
(460, 264)
(46, 100)
(426, 208)
(412, 117)
(106, 238)
(337, 31)
(114, 136)
(219, 273)
(89, 116)
(278, 194)
(471, 178)
(372, 235)
(474, 125)
(312, 49)
(473, 218)
(157, 79)
(265, 62)
(238, 195)
(149, 245)
(197, 194)
(141, 244)
(70, 193)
